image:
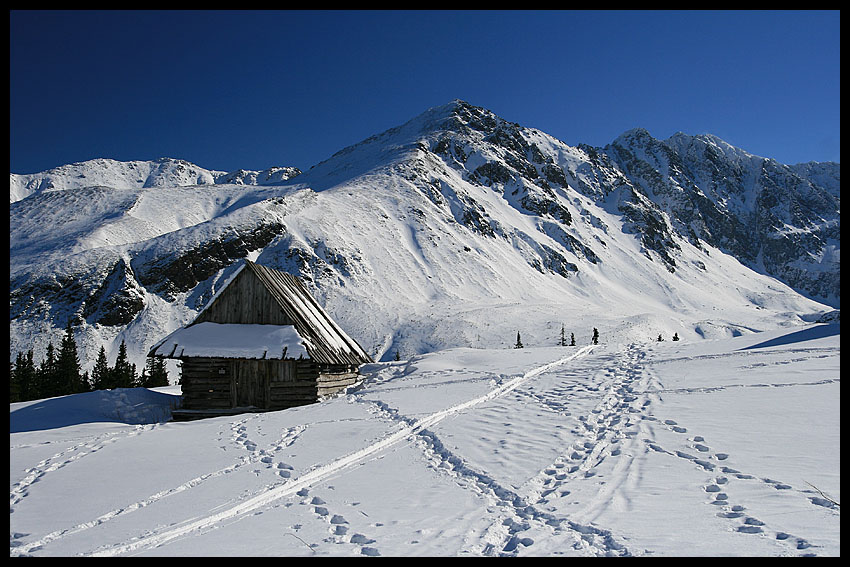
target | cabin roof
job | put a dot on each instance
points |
(221, 340)
(324, 341)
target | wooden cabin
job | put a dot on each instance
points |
(262, 343)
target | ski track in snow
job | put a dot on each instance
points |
(21, 489)
(238, 437)
(300, 485)
(615, 430)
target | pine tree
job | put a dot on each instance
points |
(563, 341)
(160, 377)
(14, 380)
(572, 339)
(154, 374)
(675, 336)
(46, 383)
(660, 338)
(68, 376)
(595, 339)
(123, 373)
(25, 374)
(518, 341)
(100, 374)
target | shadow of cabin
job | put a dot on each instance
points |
(262, 343)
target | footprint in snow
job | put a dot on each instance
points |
(776, 484)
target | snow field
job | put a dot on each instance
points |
(664, 449)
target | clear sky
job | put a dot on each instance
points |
(229, 89)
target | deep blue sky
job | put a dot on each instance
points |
(229, 90)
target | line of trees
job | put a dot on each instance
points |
(59, 373)
(563, 340)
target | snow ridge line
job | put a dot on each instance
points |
(321, 472)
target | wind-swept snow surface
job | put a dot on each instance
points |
(718, 447)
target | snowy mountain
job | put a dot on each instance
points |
(164, 172)
(455, 229)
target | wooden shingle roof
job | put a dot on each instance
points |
(328, 343)
(281, 299)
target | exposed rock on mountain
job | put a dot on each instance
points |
(453, 229)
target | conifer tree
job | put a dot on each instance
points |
(595, 339)
(518, 341)
(155, 373)
(675, 336)
(100, 374)
(14, 381)
(123, 373)
(563, 341)
(160, 377)
(572, 339)
(25, 374)
(68, 376)
(46, 376)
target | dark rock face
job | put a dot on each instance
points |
(182, 270)
(774, 218)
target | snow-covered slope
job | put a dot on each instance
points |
(456, 229)
(726, 447)
(164, 172)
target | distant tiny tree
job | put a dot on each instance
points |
(660, 338)
(675, 336)
(595, 339)
(572, 339)
(518, 341)
(563, 341)
(397, 356)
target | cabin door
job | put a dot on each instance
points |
(250, 383)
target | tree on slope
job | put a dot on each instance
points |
(595, 339)
(100, 378)
(518, 341)
(46, 377)
(69, 380)
(123, 373)
(154, 373)
(25, 376)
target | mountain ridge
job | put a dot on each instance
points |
(458, 211)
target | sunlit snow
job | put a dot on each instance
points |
(712, 447)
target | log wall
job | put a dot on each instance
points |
(217, 383)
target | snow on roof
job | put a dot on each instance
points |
(233, 341)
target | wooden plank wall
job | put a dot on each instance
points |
(203, 385)
(269, 384)
(245, 301)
